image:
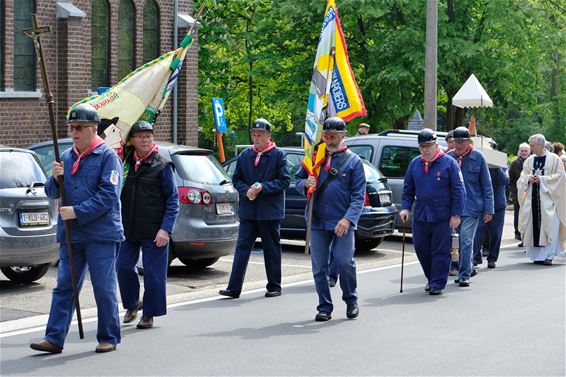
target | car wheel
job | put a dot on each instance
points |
(198, 263)
(368, 244)
(25, 274)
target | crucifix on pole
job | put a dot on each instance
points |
(35, 34)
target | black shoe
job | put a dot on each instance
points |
(332, 283)
(427, 287)
(477, 262)
(352, 311)
(520, 245)
(474, 273)
(538, 262)
(464, 282)
(518, 236)
(435, 292)
(322, 317)
(228, 293)
(272, 293)
(490, 264)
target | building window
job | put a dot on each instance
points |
(150, 30)
(24, 51)
(126, 38)
(100, 45)
(2, 37)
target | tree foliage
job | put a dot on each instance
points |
(258, 56)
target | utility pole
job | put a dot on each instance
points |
(431, 63)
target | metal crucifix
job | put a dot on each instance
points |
(35, 34)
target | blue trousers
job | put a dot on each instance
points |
(100, 257)
(155, 263)
(432, 241)
(323, 243)
(467, 230)
(249, 230)
(494, 229)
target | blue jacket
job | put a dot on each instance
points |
(499, 180)
(438, 194)
(478, 184)
(273, 175)
(94, 193)
(342, 198)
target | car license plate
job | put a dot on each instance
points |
(34, 218)
(224, 209)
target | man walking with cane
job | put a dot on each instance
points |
(92, 184)
(433, 182)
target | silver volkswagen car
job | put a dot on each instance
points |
(28, 219)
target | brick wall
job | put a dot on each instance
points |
(67, 47)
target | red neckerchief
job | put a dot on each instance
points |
(96, 142)
(140, 161)
(466, 152)
(329, 157)
(270, 145)
(426, 164)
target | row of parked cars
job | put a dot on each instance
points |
(207, 226)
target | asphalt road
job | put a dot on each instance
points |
(510, 321)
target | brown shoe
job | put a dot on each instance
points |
(105, 347)
(132, 313)
(46, 346)
(145, 323)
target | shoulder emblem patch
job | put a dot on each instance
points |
(114, 177)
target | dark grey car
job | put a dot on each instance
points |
(28, 219)
(207, 225)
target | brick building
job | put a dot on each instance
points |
(92, 44)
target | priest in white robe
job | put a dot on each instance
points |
(541, 190)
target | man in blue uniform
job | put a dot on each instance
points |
(261, 177)
(479, 199)
(92, 179)
(150, 204)
(494, 228)
(434, 183)
(338, 202)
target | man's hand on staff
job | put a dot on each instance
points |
(57, 169)
(342, 227)
(67, 213)
(404, 215)
(310, 182)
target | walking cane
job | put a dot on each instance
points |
(35, 33)
(402, 258)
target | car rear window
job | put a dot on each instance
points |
(200, 169)
(372, 174)
(46, 154)
(19, 169)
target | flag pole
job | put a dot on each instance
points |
(35, 33)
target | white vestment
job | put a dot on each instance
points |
(552, 208)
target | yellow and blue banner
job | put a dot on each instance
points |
(333, 90)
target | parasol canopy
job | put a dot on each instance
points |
(471, 95)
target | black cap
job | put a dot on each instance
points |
(335, 124)
(461, 133)
(83, 113)
(449, 135)
(261, 124)
(140, 126)
(426, 136)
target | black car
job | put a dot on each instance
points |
(378, 214)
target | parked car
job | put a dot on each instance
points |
(207, 225)
(378, 214)
(28, 218)
(391, 152)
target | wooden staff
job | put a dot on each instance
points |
(35, 33)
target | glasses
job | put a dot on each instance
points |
(144, 137)
(77, 128)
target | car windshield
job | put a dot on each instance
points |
(200, 169)
(19, 169)
(47, 155)
(372, 174)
